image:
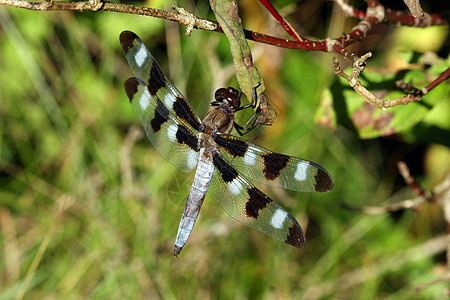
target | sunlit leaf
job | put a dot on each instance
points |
(341, 105)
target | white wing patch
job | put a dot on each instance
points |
(249, 158)
(141, 56)
(172, 132)
(278, 218)
(173, 90)
(144, 101)
(192, 159)
(302, 171)
(169, 99)
(235, 187)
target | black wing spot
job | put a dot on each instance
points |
(126, 40)
(157, 79)
(274, 163)
(296, 236)
(161, 116)
(256, 202)
(233, 146)
(228, 173)
(184, 112)
(131, 87)
(185, 136)
(324, 182)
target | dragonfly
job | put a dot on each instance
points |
(223, 162)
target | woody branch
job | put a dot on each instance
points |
(393, 17)
(374, 15)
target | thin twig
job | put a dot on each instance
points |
(393, 17)
(375, 14)
(404, 171)
(441, 195)
(358, 66)
(97, 5)
(441, 78)
(441, 192)
(414, 203)
(285, 24)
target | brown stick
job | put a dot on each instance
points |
(374, 15)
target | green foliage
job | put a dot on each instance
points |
(340, 104)
(88, 209)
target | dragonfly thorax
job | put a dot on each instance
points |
(219, 119)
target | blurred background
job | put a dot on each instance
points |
(88, 208)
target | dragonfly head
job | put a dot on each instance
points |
(231, 95)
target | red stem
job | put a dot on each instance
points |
(280, 19)
(444, 76)
(398, 17)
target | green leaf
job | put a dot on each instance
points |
(341, 105)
